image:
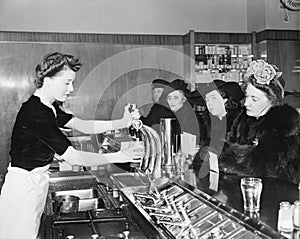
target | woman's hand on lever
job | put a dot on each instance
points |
(131, 113)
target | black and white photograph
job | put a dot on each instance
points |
(150, 119)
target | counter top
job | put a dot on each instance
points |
(225, 188)
(274, 191)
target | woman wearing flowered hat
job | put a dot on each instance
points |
(265, 137)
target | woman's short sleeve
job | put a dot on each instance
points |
(62, 117)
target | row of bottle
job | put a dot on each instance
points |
(222, 62)
(244, 49)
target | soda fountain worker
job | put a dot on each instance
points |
(159, 109)
(265, 137)
(36, 139)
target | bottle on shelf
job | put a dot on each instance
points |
(214, 59)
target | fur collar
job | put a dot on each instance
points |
(284, 120)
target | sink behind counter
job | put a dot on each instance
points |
(110, 221)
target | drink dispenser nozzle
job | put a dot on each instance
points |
(136, 125)
(135, 129)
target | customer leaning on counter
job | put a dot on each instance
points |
(223, 101)
(36, 139)
(265, 137)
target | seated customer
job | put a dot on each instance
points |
(159, 109)
(223, 103)
(265, 137)
(176, 94)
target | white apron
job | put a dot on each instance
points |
(22, 201)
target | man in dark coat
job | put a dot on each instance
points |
(159, 109)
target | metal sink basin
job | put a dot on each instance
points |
(89, 199)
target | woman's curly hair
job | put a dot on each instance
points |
(53, 63)
(274, 91)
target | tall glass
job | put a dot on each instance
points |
(251, 190)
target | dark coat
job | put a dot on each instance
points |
(216, 130)
(157, 112)
(188, 121)
(214, 133)
(267, 146)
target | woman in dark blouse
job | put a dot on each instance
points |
(37, 139)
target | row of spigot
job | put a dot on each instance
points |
(166, 209)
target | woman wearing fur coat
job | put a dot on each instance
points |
(265, 137)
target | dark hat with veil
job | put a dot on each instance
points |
(231, 90)
(159, 83)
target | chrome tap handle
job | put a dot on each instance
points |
(137, 124)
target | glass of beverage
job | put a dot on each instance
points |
(251, 191)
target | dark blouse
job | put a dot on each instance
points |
(36, 136)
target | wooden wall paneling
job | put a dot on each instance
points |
(222, 38)
(128, 39)
(118, 68)
(290, 35)
(112, 75)
(254, 46)
(261, 48)
(15, 86)
(189, 59)
(286, 55)
(282, 48)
